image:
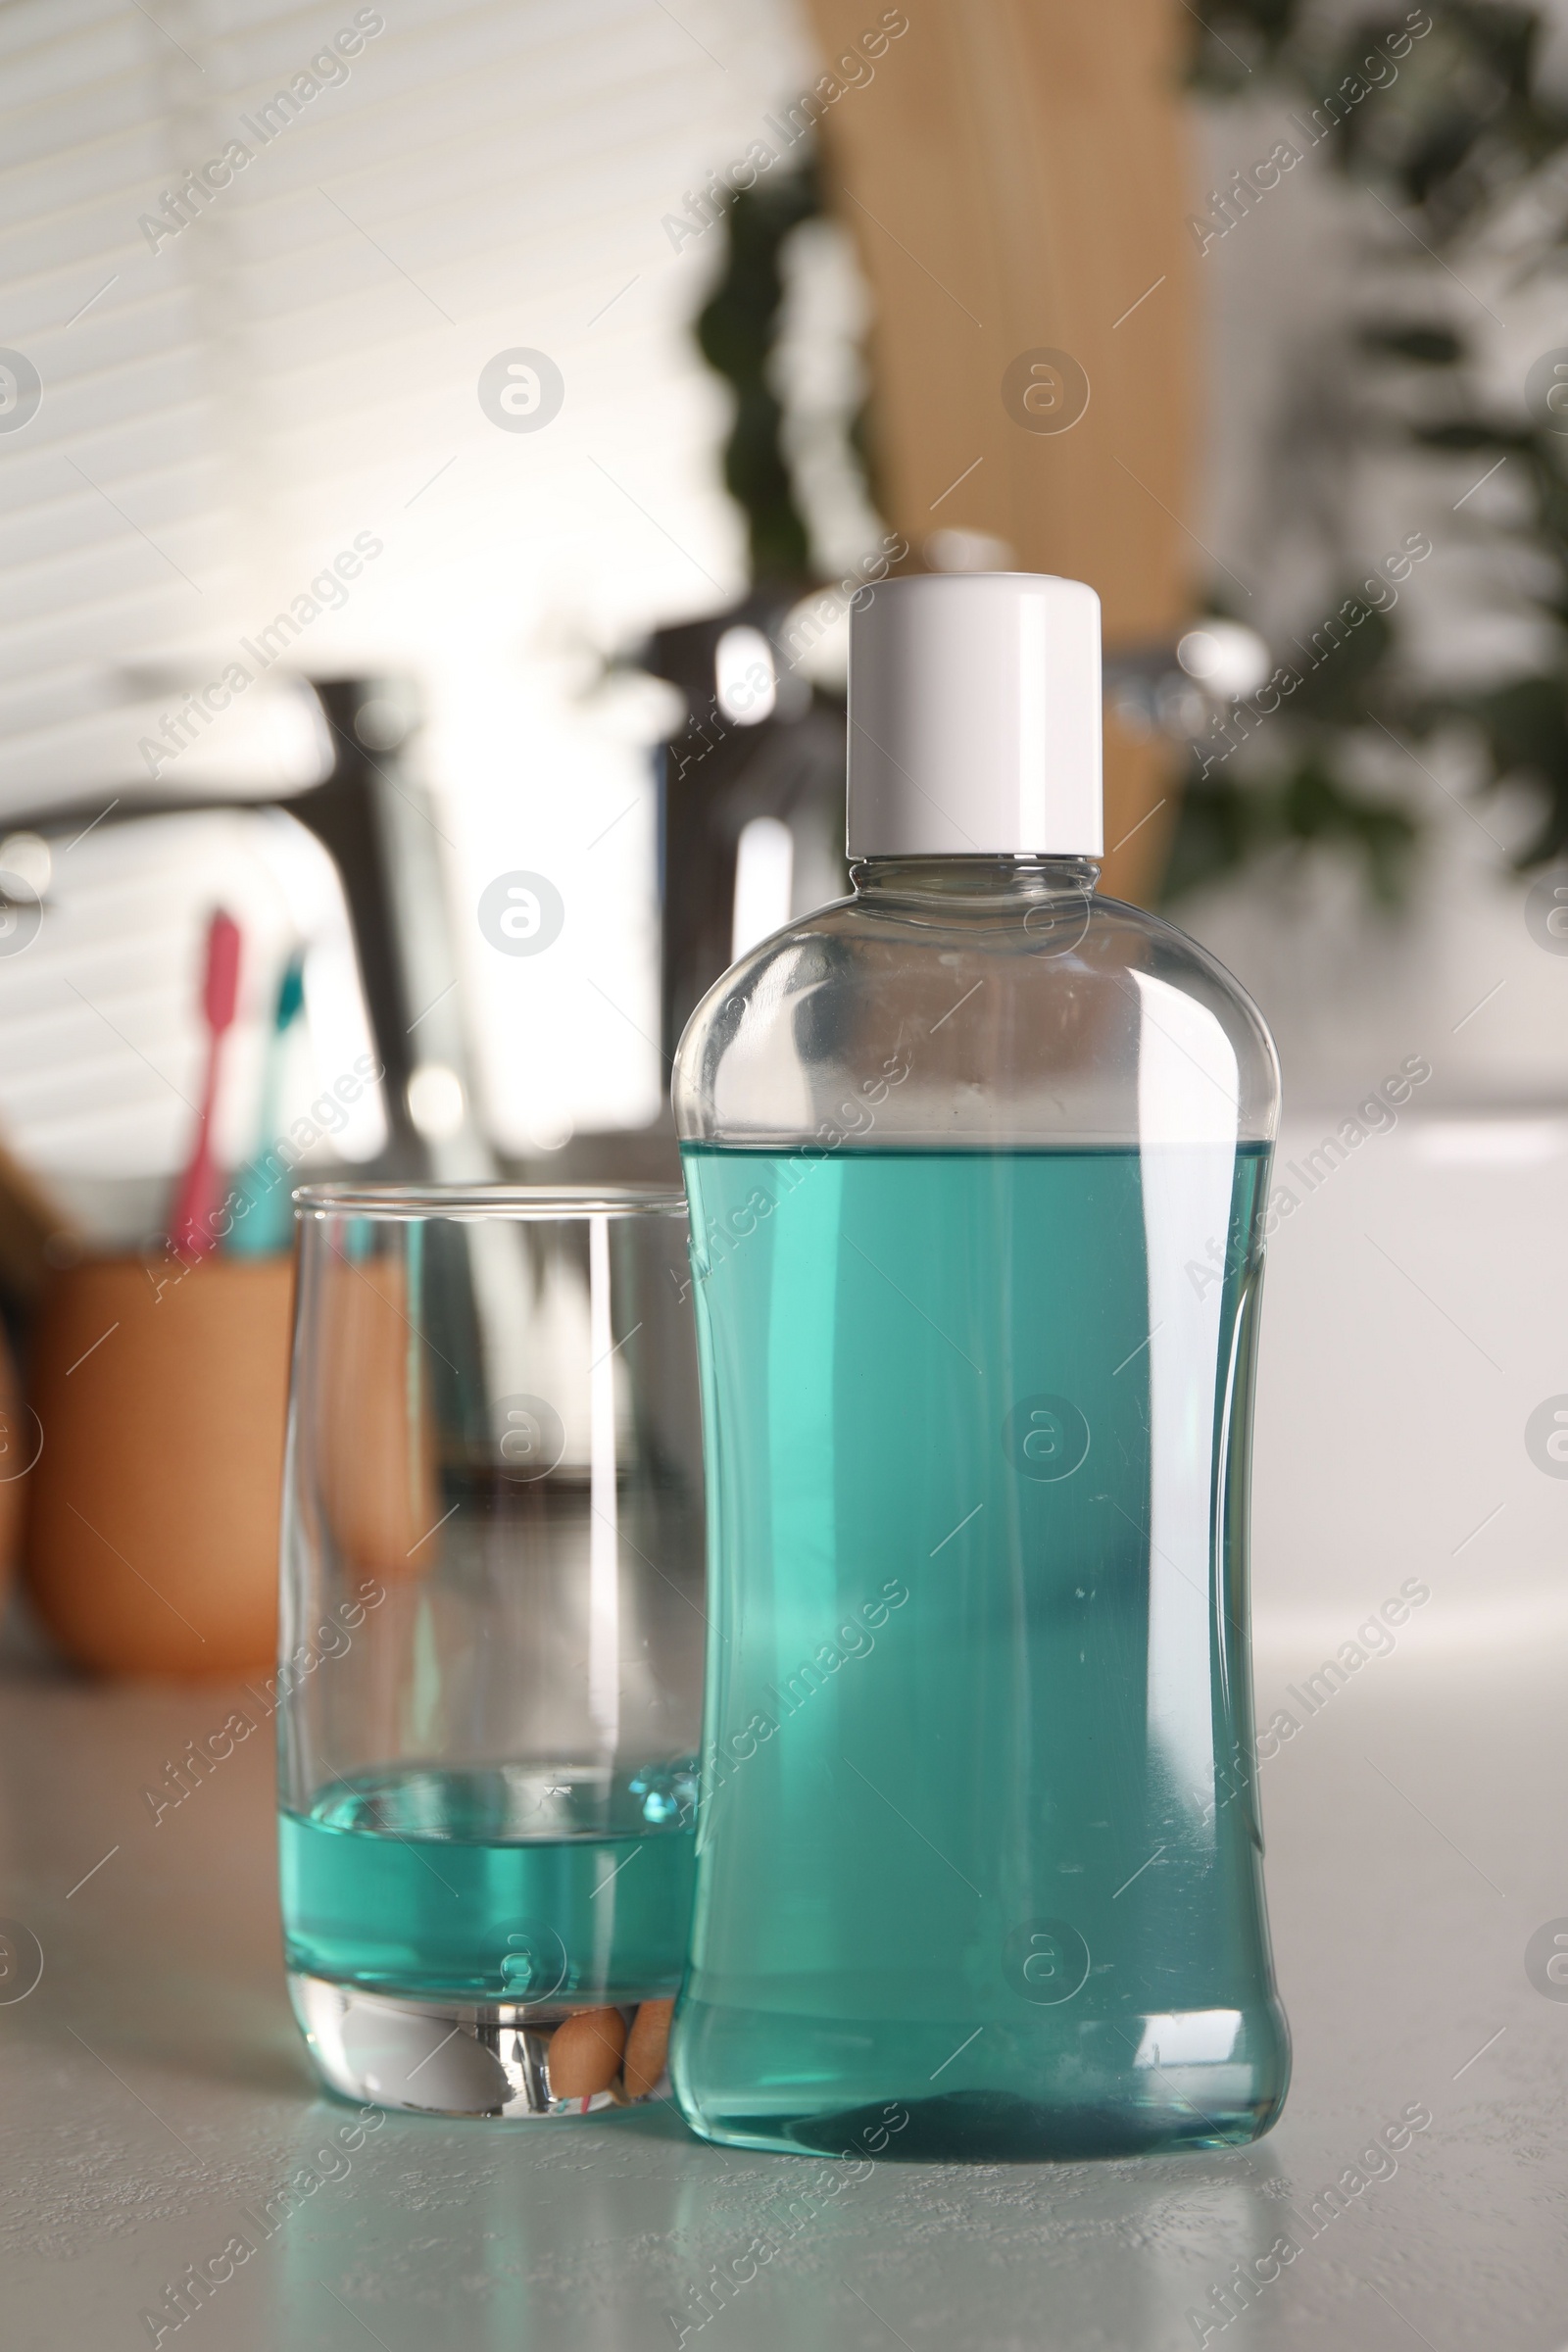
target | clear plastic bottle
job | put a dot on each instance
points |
(977, 1162)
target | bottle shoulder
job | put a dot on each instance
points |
(1073, 1019)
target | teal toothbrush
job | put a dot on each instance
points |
(266, 1227)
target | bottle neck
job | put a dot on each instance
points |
(956, 886)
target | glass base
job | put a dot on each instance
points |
(493, 2058)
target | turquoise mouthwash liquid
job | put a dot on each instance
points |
(476, 1886)
(976, 1835)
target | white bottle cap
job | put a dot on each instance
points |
(974, 717)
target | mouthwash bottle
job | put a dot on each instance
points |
(977, 1161)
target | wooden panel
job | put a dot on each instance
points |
(1015, 178)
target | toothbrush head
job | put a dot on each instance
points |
(290, 993)
(220, 988)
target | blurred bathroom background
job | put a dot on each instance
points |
(439, 443)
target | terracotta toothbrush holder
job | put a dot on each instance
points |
(161, 1395)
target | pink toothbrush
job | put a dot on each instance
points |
(196, 1201)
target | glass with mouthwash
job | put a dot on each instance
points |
(491, 1644)
(977, 1164)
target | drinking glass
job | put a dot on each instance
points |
(491, 1644)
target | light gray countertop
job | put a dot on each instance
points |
(153, 2088)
